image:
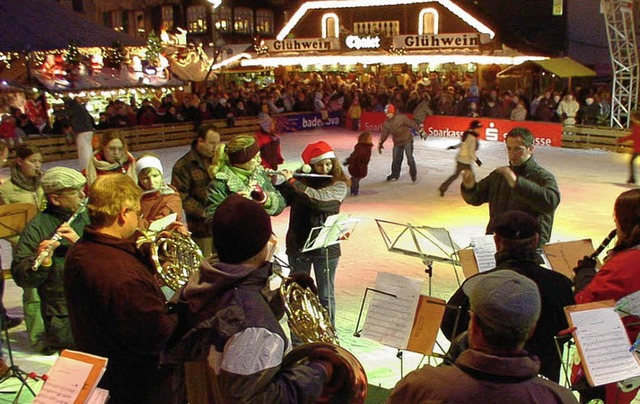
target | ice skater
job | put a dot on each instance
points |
(400, 128)
(358, 161)
(466, 153)
(635, 138)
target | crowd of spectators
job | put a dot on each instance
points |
(444, 95)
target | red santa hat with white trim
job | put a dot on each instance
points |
(315, 152)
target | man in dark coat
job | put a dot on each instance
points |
(516, 237)
(522, 185)
(116, 307)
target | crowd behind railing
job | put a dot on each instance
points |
(346, 93)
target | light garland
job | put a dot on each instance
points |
(340, 4)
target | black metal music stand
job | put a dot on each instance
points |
(14, 370)
(14, 217)
(337, 228)
(427, 243)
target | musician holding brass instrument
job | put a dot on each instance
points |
(116, 307)
(237, 169)
(38, 259)
(618, 277)
(230, 327)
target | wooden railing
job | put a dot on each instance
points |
(140, 138)
(594, 137)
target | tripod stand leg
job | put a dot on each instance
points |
(14, 370)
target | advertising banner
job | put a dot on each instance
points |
(308, 121)
(545, 133)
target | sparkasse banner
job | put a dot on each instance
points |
(545, 133)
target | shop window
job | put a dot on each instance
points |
(77, 6)
(115, 20)
(167, 17)
(138, 24)
(223, 19)
(428, 22)
(264, 22)
(197, 19)
(243, 20)
(330, 26)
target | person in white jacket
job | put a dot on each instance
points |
(568, 109)
(466, 154)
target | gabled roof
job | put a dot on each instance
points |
(562, 67)
(338, 4)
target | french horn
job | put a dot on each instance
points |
(309, 320)
(174, 255)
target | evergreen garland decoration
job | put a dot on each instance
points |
(154, 47)
(74, 57)
(114, 56)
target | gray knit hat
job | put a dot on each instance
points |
(58, 179)
(504, 300)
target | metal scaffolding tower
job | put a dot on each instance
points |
(623, 48)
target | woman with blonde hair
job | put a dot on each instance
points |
(112, 157)
(236, 169)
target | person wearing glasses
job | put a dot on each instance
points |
(112, 157)
(521, 185)
(116, 307)
(64, 190)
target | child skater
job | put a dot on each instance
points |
(358, 161)
(315, 193)
(466, 154)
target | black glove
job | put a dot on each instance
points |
(380, 148)
(585, 271)
(303, 280)
(451, 148)
(479, 162)
(423, 135)
(258, 194)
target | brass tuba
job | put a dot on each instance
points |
(309, 320)
(174, 255)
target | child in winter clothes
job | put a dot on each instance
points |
(159, 199)
(355, 113)
(358, 161)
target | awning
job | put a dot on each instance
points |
(564, 67)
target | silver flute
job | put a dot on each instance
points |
(314, 175)
(56, 236)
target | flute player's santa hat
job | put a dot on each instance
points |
(315, 152)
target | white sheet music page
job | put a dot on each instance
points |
(484, 249)
(605, 345)
(390, 319)
(65, 381)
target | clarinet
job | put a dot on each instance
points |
(56, 237)
(604, 244)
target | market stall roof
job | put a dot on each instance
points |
(42, 25)
(564, 67)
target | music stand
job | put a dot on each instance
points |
(14, 370)
(427, 243)
(14, 217)
(336, 228)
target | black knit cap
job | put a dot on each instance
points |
(241, 228)
(515, 225)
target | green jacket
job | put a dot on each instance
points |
(536, 193)
(48, 280)
(233, 180)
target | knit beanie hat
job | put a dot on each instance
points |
(504, 300)
(390, 109)
(243, 155)
(315, 152)
(148, 162)
(57, 179)
(241, 228)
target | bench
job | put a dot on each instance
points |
(141, 138)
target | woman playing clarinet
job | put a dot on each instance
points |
(618, 277)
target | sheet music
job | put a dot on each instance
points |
(65, 382)
(605, 345)
(484, 249)
(629, 305)
(336, 228)
(163, 222)
(98, 396)
(390, 319)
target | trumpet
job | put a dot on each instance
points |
(57, 237)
